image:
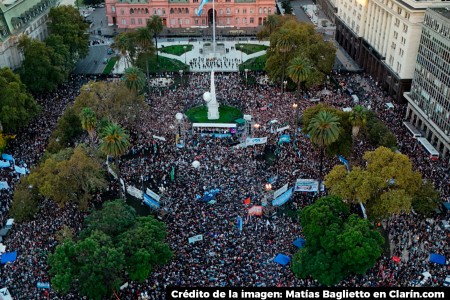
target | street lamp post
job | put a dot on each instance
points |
(185, 54)
(256, 127)
(246, 74)
(181, 74)
(242, 48)
(284, 85)
(295, 106)
(268, 188)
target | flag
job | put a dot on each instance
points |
(172, 174)
(200, 8)
(247, 201)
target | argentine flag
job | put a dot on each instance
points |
(200, 8)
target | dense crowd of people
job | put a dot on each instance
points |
(225, 256)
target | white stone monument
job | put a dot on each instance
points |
(211, 101)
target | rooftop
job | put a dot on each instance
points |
(443, 11)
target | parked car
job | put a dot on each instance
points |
(110, 51)
(105, 61)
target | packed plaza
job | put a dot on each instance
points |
(225, 257)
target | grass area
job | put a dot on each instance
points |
(164, 64)
(110, 65)
(254, 64)
(176, 49)
(199, 114)
(251, 48)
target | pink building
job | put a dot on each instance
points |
(183, 13)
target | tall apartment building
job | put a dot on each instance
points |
(382, 36)
(429, 100)
(183, 13)
(21, 17)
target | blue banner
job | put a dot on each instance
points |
(4, 164)
(200, 8)
(21, 170)
(151, 202)
(239, 223)
(285, 138)
(283, 198)
(4, 185)
(43, 285)
(344, 161)
(7, 157)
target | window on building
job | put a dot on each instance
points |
(228, 21)
(228, 10)
(252, 10)
(405, 28)
(196, 21)
(132, 22)
(399, 67)
(237, 20)
(236, 10)
(221, 11)
(172, 21)
(122, 11)
(397, 22)
(244, 20)
(395, 34)
(394, 45)
(131, 11)
(180, 21)
(403, 41)
(140, 21)
(391, 60)
(244, 10)
(260, 10)
(252, 20)
(265, 10)
(124, 22)
(401, 52)
(269, 10)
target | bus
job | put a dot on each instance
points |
(416, 133)
(434, 154)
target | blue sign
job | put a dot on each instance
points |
(283, 198)
(4, 164)
(239, 223)
(151, 202)
(43, 285)
(7, 157)
(285, 138)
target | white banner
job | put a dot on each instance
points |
(112, 172)
(195, 238)
(255, 141)
(308, 185)
(4, 294)
(280, 191)
(283, 128)
(159, 138)
(123, 184)
(152, 194)
(135, 192)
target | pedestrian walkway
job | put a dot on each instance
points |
(233, 55)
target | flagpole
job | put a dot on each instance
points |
(214, 30)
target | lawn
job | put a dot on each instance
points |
(251, 48)
(254, 64)
(164, 65)
(110, 65)
(176, 49)
(228, 114)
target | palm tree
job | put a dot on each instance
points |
(134, 79)
(155, 26)
(272, 23)
(324, 129)
(115, 141)
(299, 70)
(88, 122)
(144, 41)
(358, 118)
(284, 43)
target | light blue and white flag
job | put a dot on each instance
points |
(21, 170)
(4, 185)
(200, 8)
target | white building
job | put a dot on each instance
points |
(429, 99)
(383, 37)
(21, 17)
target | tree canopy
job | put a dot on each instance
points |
(289, 39)
(17, 106)
(386, 185)
(337, 243)
(113, 243)
(71, 175)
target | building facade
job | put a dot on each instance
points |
(21, 17)
(183, 13)
(382, 36)
(429, 99)
(328, 7)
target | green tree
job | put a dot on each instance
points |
(358, 118)
(25, 201)
(144, 247)
(69, 176)
(88, 122)
(324, 129)
(299, 70)
(114, 218)
(290, 39)
(115, 141)
(155, 25)
(386, 185)
(112, 101)
(125, 43)
(377, 133)
(134, 79)
(143, 37)
(66, 21)
(337, 243)
(56, 42)
(17, 106)
(426, 199)
(92, 265)
(68, 129)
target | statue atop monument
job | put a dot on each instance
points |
(211, 101)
